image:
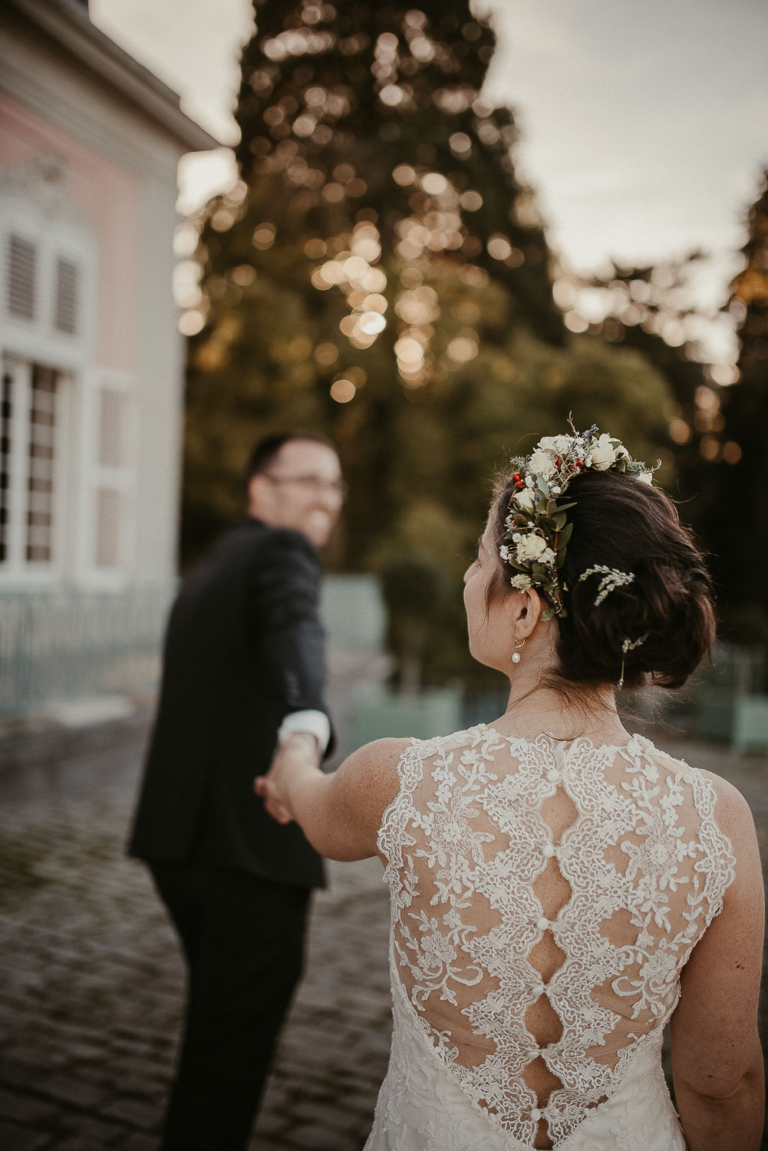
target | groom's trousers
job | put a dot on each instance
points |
(243, 939)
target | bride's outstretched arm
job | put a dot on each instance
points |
(340, 814)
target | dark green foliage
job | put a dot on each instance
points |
(650, 307)
(740, 512)
(717, 434)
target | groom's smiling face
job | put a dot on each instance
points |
(302, 488)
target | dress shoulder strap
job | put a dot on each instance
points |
(717, 863)
(392, 835)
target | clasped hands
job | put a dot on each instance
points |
(297, 752)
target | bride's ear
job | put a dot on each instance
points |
(524, 610)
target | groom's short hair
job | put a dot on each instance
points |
(266, 450)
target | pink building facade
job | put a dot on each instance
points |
(91, 412)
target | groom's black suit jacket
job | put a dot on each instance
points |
(244, 648)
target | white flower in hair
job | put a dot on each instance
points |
(521, 582)
(541, 464)
(525, 499)
(558, 444)
(603, 453)
(645, 477)
(533, 547)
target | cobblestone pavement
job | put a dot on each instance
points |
(92, 982)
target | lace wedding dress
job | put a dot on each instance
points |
(545, 896)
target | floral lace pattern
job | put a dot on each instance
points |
(536, 1004)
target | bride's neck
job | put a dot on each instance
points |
(533, 708)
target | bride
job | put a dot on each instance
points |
(560, 889)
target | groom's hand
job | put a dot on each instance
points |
(299, 750)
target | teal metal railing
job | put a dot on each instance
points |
(72, 644)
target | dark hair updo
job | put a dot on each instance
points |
(620, 522)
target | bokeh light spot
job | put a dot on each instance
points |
(434, 183)
(190, 323)
(404, 174)
(315, 249)
(392, 95)
(709, 448)
(462, 349)
(499, 247)
(342, 391)
(263, 236)
(575, 322)
(461, 143)
(372, 323)
(471, 201)
(326, 354)
(679, 431)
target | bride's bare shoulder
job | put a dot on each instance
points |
(368, 778)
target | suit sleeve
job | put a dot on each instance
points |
(286, 588)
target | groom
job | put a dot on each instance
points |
(243, 669)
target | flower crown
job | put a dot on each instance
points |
(537, 525)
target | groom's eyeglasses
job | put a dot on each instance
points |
(313, 484)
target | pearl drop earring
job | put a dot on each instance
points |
(516, 652)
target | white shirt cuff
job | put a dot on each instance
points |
(309, 721)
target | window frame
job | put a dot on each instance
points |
(47, 217)
(16, 567)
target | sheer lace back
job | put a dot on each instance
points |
(545, 896)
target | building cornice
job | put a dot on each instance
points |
(66, 23)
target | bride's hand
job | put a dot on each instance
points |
(299, 751)
(264, 786)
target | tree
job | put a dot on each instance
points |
(741, 509)
(717, 433)
(377, 202)
(379, 273)
(649, 309)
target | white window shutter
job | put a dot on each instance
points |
(67, 292)
(109, 507)
(21, 278)
(111, 428)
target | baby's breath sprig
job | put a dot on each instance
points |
(612, 579)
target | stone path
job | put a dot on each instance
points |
(92, 982)
(91, 979)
